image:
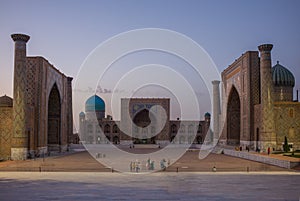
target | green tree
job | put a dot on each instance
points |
(286, 147)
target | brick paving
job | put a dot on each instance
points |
(189, 162)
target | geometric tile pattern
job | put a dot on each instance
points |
(285, 124)
(184, 131)
(267, 104)
(263, 122)
(34, 78)
(6, 125)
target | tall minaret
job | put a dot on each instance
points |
(267, 132)
(216, 110)
(20, 135)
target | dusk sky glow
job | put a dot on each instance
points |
(65, 32)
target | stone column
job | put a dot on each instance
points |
(20, 134)
(216, 110)
(267, 134)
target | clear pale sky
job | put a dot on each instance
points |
(66, 31)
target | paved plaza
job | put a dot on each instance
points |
(78, 176)
(83, 162)
(186, 186)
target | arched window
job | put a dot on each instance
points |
(182, 140)
(90, 128)
(136, 129)
(173, 128)
(191, 128)
(98, 129)
(190, 139)
(145, 130)
(90, 139)
(153, 130)
(182, 128)
(107, 128)
(115, 129)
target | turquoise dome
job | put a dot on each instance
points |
(81, 114)
(207, 115)
(94, 103)
(282, 76)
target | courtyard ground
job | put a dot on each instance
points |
(78, 176)
(167, 186)
(82, 161)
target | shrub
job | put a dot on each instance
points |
(286, 147)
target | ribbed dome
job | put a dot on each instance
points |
(207, 115)
(282, 76)
(6, 101)
(94, 103)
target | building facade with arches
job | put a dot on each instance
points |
(143, 121)
(41, 109)
(258, 109)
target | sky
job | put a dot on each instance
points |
(65, 32)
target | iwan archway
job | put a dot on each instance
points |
(54, 120)
(143, 131)
(233, 118)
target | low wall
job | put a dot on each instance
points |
(262, 159)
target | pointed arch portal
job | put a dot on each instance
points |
(142, 120)
(233, 118)
(54, 120)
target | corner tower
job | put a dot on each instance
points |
(20, 136)
(267, 134)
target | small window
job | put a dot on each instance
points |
(291, 112)
(115, 129)
(174, 128)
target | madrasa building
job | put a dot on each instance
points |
(38, 119)
(257, 108)
(141, 122)
(257, 104)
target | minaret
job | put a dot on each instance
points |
(69, 109)
(20, 135)
(82, 131)
(267, 134)
(216, 110)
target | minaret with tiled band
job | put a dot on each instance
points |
(20, 136)
(216, 110)
(267, 136)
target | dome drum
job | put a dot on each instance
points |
(282, 76)
(6, 101)
(283, 81)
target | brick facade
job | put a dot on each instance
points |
(106, 130)
(259, 114)
(34, 80)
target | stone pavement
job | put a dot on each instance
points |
(28, 186)
(189, 162)
(272, 159)
(78, 176)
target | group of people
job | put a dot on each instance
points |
(100, 155)
(135, 166)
